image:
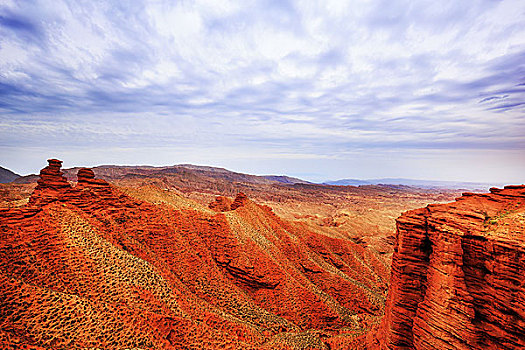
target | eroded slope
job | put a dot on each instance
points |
(89, 266)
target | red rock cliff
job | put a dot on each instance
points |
(458, 275)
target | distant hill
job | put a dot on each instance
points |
(285, 179)
(189, 171)
(7, 175)
(417, 183)
(350, 182)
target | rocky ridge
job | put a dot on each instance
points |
(86, 266)
(365, 214)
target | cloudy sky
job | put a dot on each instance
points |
(316, 89)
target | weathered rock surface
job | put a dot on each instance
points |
(221, 204)
(239, 201)
(51, 184)
(458, 275)
(86, 266)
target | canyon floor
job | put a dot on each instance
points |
(193, 257)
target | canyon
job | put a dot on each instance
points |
(197, 259)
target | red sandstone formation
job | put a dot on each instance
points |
(221, 203)
(240, 201)
(364, 213)
(50, 185)
(85, 175)
(89, 267)
(458, 275)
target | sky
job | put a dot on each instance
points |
(321, 90)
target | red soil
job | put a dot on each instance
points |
(90, 267)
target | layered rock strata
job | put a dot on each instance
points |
(50, 185)
(222, 204)
(458, 275)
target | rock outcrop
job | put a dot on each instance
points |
(458, 275)
(221, 204)
(51, 184)
(240, 201)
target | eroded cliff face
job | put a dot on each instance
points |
(458, 277)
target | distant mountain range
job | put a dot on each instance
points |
(7, 175)
(479, 186)
(117, 172)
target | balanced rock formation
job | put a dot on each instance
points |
(51, 184)
(85, 175)
(458, 275)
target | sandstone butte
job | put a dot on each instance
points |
(87, 266)
(458, 277)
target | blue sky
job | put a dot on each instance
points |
(315, 89)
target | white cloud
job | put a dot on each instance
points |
(317, 77)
